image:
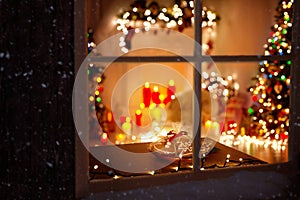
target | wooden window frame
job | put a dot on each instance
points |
(83, 186)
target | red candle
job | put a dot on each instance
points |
(167, 100)
(171, 88)
(147, 94)
(104, 138)
(138, 117)
(170, 92)
(155, 95)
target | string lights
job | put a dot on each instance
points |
(219, 86)
(96, 172)
(141, 18)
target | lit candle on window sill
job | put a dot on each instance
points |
(155, 95)
(147, 94)
(170, 92)
(212, 129)
(126, 126)
(138, 117)
(104, 138)
(157, 113)
(171, 88)
(120, 137)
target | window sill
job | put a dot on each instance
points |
(217, 156)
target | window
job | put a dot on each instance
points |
(234, 57)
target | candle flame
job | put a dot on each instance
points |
(147, 85)
(142, 105)
(171, 83)
(138, 112)
(161, 97)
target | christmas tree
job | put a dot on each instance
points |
(270, 94)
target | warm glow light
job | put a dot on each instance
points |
(147, 12)
(236, 86)
(208, 123)
(152, 172)
(104, 135)
(91, 98)
(120, 137)
(109, 116)
(116, 177)
(99, 79)
(287, 110)
(161, 97)
(155, 89)
(279, 106)
(171, 83)
(138, 112)
(142, 105)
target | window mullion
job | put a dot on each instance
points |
(197, 85)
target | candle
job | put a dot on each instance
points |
(109, 116)
(243, 131)
(147, 94)
(207, 125)
(104, 138)
(155, 95)
(171, 88)
(126, 126)
(138, 117)
(120, 137)
(212, 129)
(156, 113)
(170, 92)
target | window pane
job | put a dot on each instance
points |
(244, 26)
(139, 102)
(141, 24)
(257, 108)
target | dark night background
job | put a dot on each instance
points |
(36, 74)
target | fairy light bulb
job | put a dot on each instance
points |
(91, 98)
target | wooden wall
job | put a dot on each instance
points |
(36, 80)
